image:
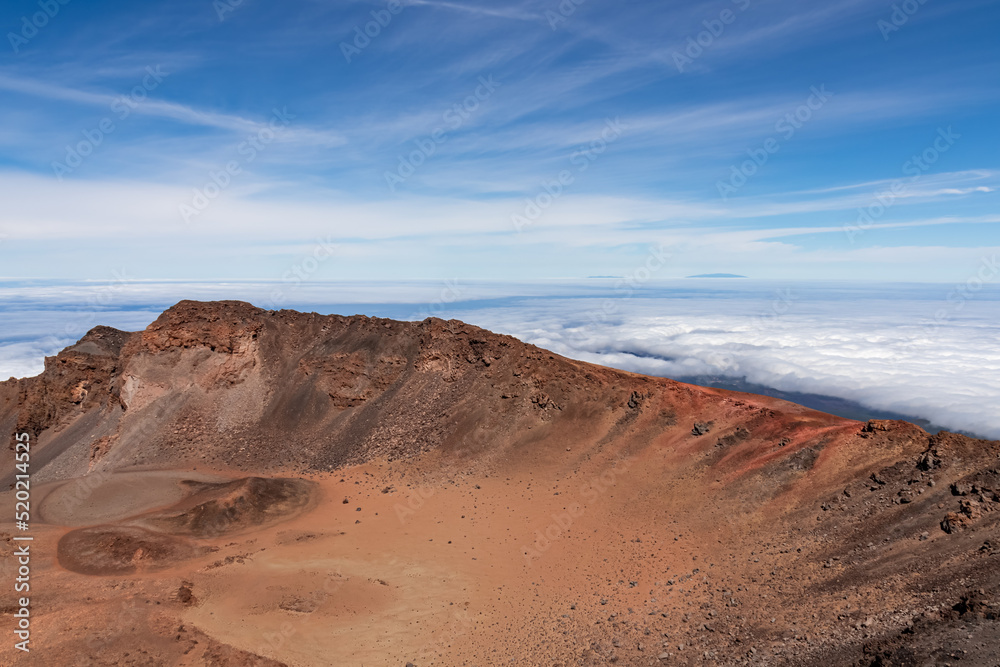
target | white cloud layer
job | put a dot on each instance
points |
(929, 358)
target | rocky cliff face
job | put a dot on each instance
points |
(233, 385)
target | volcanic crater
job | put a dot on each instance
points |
(236, 486)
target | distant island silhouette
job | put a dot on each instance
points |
(717, 275)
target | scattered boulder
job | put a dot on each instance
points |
(635, 400)
(734, 438)
(969, 511)
(961, 489)
(702, 428)
(185, 594)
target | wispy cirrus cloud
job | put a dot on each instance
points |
(498, 11)
(180, 113)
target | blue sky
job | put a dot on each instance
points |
(505, 141)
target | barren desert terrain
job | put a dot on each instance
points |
(234, 486)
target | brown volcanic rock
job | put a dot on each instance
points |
(77, 379)
(223, 382)
(222, 326)
(478, 500)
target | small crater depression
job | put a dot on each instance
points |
(110, 550)
(215, 510)
(157, 540)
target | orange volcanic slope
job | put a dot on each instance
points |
(224, 382)
(467, 499)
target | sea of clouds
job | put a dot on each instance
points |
(929, 351)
